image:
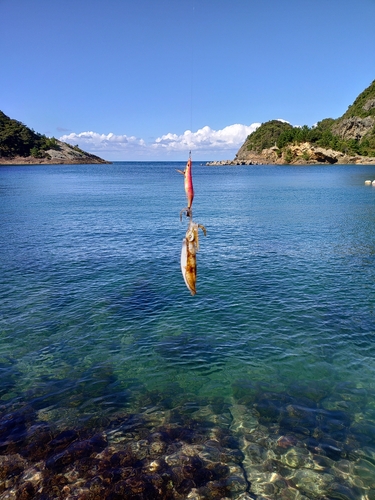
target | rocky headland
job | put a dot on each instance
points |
(20, 145)
(349, 139)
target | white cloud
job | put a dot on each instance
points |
(204, 141)
(101, 142)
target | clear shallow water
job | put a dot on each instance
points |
(96, 320)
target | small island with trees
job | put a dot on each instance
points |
(20, 145)
(346, 140)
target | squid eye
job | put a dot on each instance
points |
(191, 236)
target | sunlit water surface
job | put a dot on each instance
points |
(277, 347)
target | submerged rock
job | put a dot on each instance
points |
(312, 483)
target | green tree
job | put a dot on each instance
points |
(18, 140)
(288, 157)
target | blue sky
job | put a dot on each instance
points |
(150, 79)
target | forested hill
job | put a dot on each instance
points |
(20, 144)
(348, 139)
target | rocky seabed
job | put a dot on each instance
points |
(262, 445)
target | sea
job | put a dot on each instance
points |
(115, 382)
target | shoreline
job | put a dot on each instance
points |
(29, 160)
(233, 163)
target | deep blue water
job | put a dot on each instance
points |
(95, 317)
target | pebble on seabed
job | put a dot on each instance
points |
(368, 182)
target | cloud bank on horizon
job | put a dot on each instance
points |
(204, 141)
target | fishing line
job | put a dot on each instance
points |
(191, 68)
(190, 243)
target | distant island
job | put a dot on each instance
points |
(348, 139)
(20, 145)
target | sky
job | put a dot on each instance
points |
(139, 80)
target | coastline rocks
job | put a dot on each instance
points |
(301, 154)
(221, 163)
(63, 154)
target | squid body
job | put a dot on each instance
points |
(190, 247)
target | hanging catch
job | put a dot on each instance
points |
(189, 190)
(190, 244)
(190, 247)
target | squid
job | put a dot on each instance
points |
(190, 247)
(189, 190)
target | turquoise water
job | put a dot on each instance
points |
(96, 320)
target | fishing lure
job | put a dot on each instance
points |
(189, 190)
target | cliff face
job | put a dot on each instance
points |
(358, 121)
(354, 127)
(348, 139)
